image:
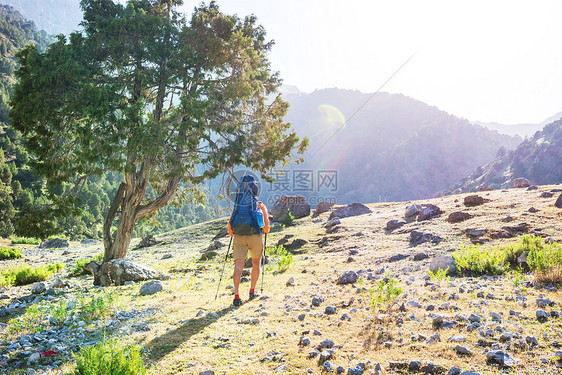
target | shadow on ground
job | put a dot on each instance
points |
(163, 345)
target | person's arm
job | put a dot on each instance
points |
(265, 217)
(229, 228)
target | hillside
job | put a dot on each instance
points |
(539, 159)
(53, 16)
(392, 148)
(483, 324)
(522, 130)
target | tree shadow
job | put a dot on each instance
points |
(163, 345)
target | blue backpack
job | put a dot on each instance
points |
(247, 217)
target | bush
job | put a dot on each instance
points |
(384, 294)
(25, 241)
(285, 261)
(288, 219)
(24, 275)
(109, 357)
(473, 261)
(96, 307)
(9, 253)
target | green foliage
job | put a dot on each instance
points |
(474, 261)
(9, 253)
(285, 261)
(109, 357)
(31, 321)
(25, 240)
(79, 269)
(95, 307)
(439, 275)
(384, 294)
(288, 219)
(24, 275)
(545, 260)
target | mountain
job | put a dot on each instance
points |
(53, 16)
(522, 130)
(538, 159)
(384, 147)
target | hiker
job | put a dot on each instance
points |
(248, 222)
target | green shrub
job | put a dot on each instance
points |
(384, 294)
(288, 219)
(25, 241)
(30, 321)
(473, 261)
(109, 357)
(9, 253)
(285, 261)
(96, 307)
(439, 275)
(24, 275)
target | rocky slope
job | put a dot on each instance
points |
(539, 159)
(317, 316)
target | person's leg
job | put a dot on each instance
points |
(238, 268)
(255, 273)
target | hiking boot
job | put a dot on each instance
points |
(253, 295)
(237, 302)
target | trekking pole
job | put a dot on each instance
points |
(263, 261)
(223, 266)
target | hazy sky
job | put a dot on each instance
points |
(481, 60)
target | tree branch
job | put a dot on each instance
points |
(107, 239)
(161, 201)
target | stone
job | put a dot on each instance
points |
(59, 284)
(304, 341)
(348, 277)
(558, 202)
(147, 241)
(38, 288)
(117, 271)
(462, 350)
(322, 207)
(326, 355)
(543, 302)
(473, 200)
(54, 243)
(332, 223)
(429, 211)
(500, 357)
(454, 371)
(457, 339)
(397, 257)
(542, 316)
(412, 210)
(420, 256)
(521, 182)
(458, 216)
(475, 318)
(295, 204)
(89, 241)
(414, 366)
(167, 256)
(547, 194)
(394, 224)
(328, 344)
(207, 372)
(443, 262)
(34, 357)
(354, 209)
(329, 310)
(327, 365)
(316, 301)
(151, 287)
(417, 238)
(290, 282)
(475, 232)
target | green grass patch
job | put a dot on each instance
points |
(544, 260)
(9, 253)
(24, 275)
(384, 294)
(110, 357)
(25, 241)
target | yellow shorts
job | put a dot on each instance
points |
(242, 244)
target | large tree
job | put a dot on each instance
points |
(161, 99)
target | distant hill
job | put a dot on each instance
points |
(53, 16)
(394, 148)
(522, 130)
(539, 159)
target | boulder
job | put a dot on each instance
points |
(147, 241)
(521, 182)
(473, 200)
(354, 209)
(54, 243)
(322, 207)
(38, 288)
(295, 204)
(417, 238)
(348, 277)
(118, 271)
(458, 216)
(151, 287)
(547, 194)
(429, 211)
(394, 224)
(558, 202)
(500, 357)
(443, 262)
(412, 210)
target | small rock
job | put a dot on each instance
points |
(328, 366)
(454, 371)
(521, 182)
(167, 256)
(330, 310)
(38, 288)
(475, 318)
(34, 357)
(458, 216)
(542, 316)
(420, 256)
(290, 282)
(457, 339)
(151, 287)
(316, 301)
(394, 224)
(304, 341)
(207, 372)
(443, 262)
(473, 200)
(412, 210)
(558, 202)
(501, 358)
(546, 194)
(543, 302)
(301, 317)
(348, 277)
(462, 350)
(397, 257)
